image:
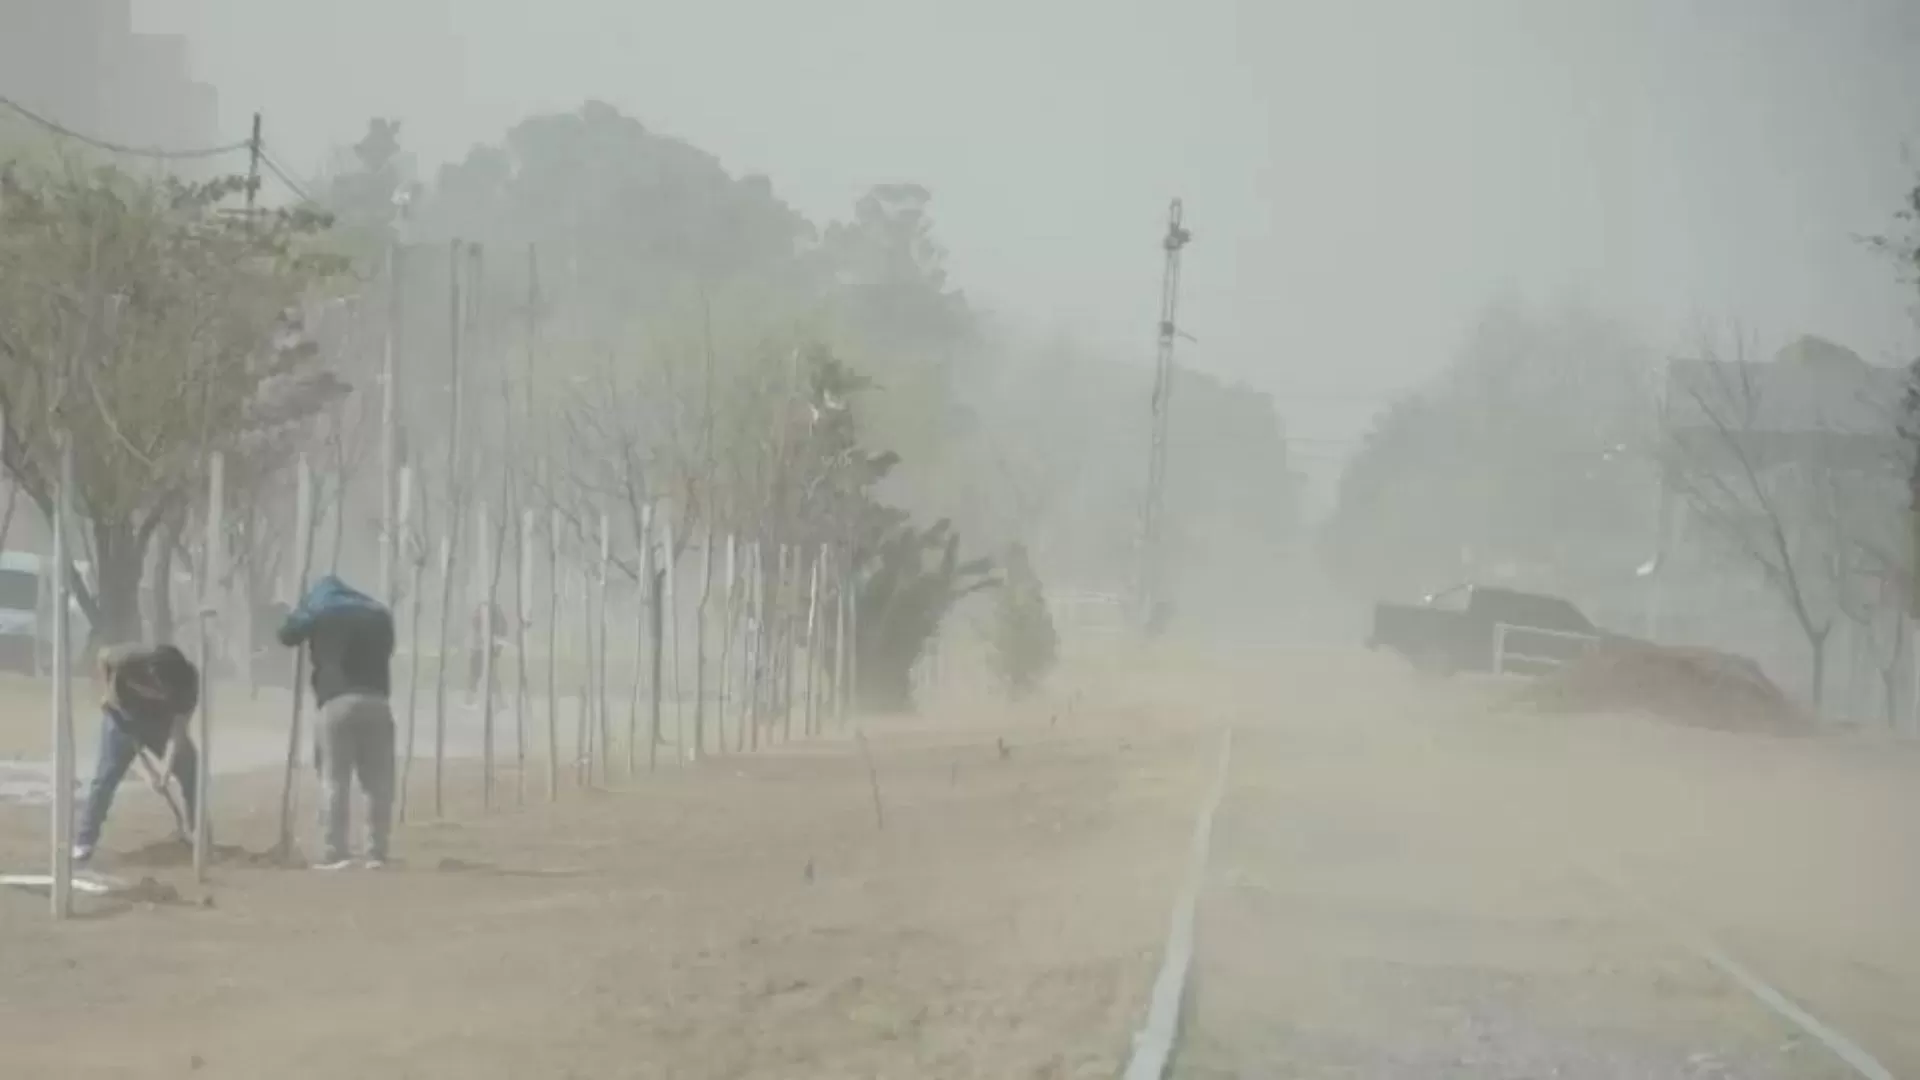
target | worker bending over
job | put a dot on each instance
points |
(349, 640)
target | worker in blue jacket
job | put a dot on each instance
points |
(349, 640)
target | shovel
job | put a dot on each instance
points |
(166, 792)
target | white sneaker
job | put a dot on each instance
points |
(337, 864)
(82, 853)
(375, 864)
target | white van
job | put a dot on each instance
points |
(26, 606)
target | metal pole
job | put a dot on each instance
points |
(61, 833)
(209, 610)
(303, 562)
(643, 609)
(390, 517)
(416, 581)
(456, 325)
(700, 642)
(655, 643)
(1152, 523)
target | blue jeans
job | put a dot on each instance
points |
(117, 751)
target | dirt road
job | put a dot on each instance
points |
(1406, 884)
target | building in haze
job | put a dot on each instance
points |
(81, 64)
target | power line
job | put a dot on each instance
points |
(274, 168)
(118, 148)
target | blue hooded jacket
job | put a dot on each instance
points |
(349, 640)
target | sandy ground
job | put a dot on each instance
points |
(1406, 884)
(743, 918)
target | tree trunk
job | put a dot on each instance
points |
(1817, 645)
(160, 589)
(120, 557)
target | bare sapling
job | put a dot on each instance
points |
(841, 644)
(726, 646)
(756, 621)
(455, 518)
(670, 563)
(583, 737)
(600, 650)
(492, 555)
(440, 665)
(656, 646)
(789, 643)
(873, 782)
(553, 653)
(522, 605)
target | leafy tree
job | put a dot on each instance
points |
(371, 194)
(623, 216)
(894, 272)
(1024, 642)
(910, 578)
(156, 326)
(1532, 451)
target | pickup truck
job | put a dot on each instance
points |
(1477, 628)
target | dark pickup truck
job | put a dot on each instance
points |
(1482, 629)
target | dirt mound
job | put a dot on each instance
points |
(1699, 687)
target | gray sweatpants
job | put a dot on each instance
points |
(355, 736)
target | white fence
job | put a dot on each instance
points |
(1518, 649)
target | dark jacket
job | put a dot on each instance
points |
(349, 640)
(148, 689)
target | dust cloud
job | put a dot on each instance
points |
(830, 531)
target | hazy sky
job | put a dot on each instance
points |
(1360, 175)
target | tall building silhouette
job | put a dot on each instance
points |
(80, 63)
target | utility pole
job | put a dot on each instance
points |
(1152, 569)
(253, 167)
